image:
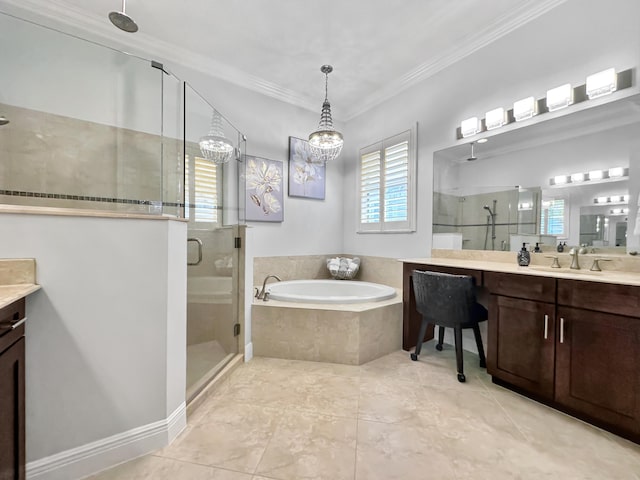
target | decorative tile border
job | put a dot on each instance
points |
(91, 198)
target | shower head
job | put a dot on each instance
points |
(122, 20)
(3, 120)
(486, 207)
(472, 157)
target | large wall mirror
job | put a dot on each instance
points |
(501, 195)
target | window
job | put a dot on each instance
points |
(553, 217)
(386, 185)
(201, 191)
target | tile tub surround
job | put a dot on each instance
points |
(383, 270)
(347, 334)
(388, 419)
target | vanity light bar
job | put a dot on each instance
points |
(613, 199)
(612, 174)
(619, 211)
(597, 85)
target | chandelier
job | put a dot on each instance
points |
(326, 142)
(215, 146)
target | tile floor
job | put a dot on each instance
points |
(388, 419)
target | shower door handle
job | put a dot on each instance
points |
(199, 242)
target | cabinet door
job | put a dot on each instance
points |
(12, 453)
(598, 367)
(521, 344)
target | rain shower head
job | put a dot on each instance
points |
(122, 20)
(472, 157)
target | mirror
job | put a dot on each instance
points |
(502, 195)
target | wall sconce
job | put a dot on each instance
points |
(577, 177)
(616, 172)
(470, 127)
(560, 180)
(525, 206)
(602, 83)
(559, 97)
(495, 118)
(524, 109)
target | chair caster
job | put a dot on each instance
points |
(461, 378)
(414, 357)
(439, 347)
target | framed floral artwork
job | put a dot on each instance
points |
(306, 175)
(264, 192)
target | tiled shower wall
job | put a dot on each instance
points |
(57, 161)
(466, 215)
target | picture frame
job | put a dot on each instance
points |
(307, 176)
(264, 195)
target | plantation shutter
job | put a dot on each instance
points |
(201, 191)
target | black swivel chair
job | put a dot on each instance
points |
(448, 301)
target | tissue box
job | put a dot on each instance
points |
(342, 268)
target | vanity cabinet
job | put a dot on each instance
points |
(598, 353)
(12, 392)
(521, 331)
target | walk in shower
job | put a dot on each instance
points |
(90, 127)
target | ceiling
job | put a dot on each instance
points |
(276, 47)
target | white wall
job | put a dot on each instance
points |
(106, 334)
(565, 45)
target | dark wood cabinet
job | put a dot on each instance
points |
(521, 343)
(598, 354)
(12, 392)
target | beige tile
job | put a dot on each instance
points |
(389, 452)
(318, 368)
(327, 394)
(157, 468)
(392, 401)
(231, 436)
(311, 446)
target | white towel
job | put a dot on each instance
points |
(636, 230)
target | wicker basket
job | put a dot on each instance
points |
(342, 268)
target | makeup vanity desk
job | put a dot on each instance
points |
(567, 338)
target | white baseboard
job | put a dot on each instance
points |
(248, 351)
(96, 456)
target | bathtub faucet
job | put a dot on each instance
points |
(261, 295)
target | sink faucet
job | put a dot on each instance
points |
(262, 294)
(574, 259)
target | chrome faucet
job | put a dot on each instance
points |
(574, 258)
(262, 294)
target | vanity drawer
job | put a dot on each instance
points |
(601, 297)
(541, 289)
(476, 274)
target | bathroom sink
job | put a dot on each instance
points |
(567, 270)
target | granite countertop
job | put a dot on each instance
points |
(498, 262)
(17, 279)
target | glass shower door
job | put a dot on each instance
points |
(211, 206)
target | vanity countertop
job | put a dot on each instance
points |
(17, 279)
(497, 263)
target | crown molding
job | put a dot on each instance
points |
(143, 45)
(500, 27)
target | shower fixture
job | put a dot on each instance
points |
(122, 20)
(472, 157)
(3, 120)
(491, 222)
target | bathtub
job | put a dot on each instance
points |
(329, 291)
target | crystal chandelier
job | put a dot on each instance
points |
(215, 146)
(326, 142)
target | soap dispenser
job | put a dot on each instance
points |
(537, 249)
(560, 247)
(524, 257)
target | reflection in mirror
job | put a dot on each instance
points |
(479, 203)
